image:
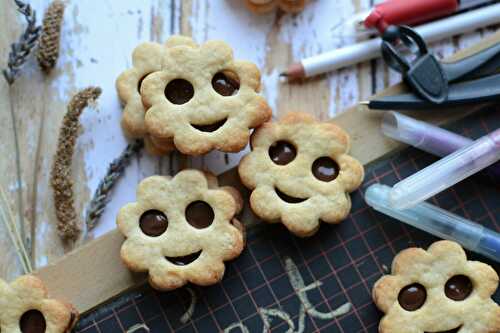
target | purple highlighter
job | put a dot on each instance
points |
(428, 137)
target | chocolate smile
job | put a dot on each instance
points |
(287, 198)
(210, 127)
(184, 260)
(455, 330)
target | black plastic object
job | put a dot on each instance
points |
(424, 73)
(473, 79)
(486, 62)
(486, 89)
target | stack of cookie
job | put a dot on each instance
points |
(26, 308)
(189, 97)
(197, 99)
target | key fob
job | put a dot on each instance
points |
(428, 79)
(420, 69)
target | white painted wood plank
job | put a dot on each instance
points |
(97, 41)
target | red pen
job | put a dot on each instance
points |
(413, 12)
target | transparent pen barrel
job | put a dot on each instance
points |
(446, 172)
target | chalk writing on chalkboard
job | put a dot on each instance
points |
(306, 307)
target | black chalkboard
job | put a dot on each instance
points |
(338, 265)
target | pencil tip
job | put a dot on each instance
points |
(364, 103)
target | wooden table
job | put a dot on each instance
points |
(97, 40)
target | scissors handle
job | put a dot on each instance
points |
(395, 36)
(420, 69)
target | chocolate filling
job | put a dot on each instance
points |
(184, 260)
(226, 83)
(153, 223)
(72, 321)
(455, 330)
(325, 169)
(412, 297)
(287, 198)
(282, 152)
(210, 127)
(139, 84)
(458, 288)
(32, 321)
(179, 91)
(199, 214)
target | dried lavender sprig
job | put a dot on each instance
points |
(27, 41)
(115, 171)
(17, 57)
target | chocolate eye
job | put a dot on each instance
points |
(153, 223)
(199, 214)
(412, 297)
(458, 287)
(139, 84)
(32, 321)
(226, 83)
(282, 152)
(325, 169)
(179, 91)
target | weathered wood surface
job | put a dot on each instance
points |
(96, 44)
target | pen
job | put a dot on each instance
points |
(428, 137)
(356, 53)
(447, 172)
(438, 222)
(413, 12)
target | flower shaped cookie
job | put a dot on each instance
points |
(181, 229)
(300, 173)
(264, 6)
(25, 308)
(146, 59)
(203, 99)
(437, 290)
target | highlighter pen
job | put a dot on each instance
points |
(447, 172)
(429, 138)
(438, 222)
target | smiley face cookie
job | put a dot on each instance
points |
(146, 59)
(25, 308)
(437, 290)
(265, 6)
(181, 229)
(203, 99)
(300, 174)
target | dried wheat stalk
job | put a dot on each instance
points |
(48, 47)
(61, 180)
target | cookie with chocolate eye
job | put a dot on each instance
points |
(300, 173)
(25, 307)
(437, 291)
(203, 99)
(266, 6)
(146, 59)
(181, 229)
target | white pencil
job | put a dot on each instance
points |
(367, 50)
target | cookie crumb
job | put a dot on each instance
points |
(48, 48)
(61, 181)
